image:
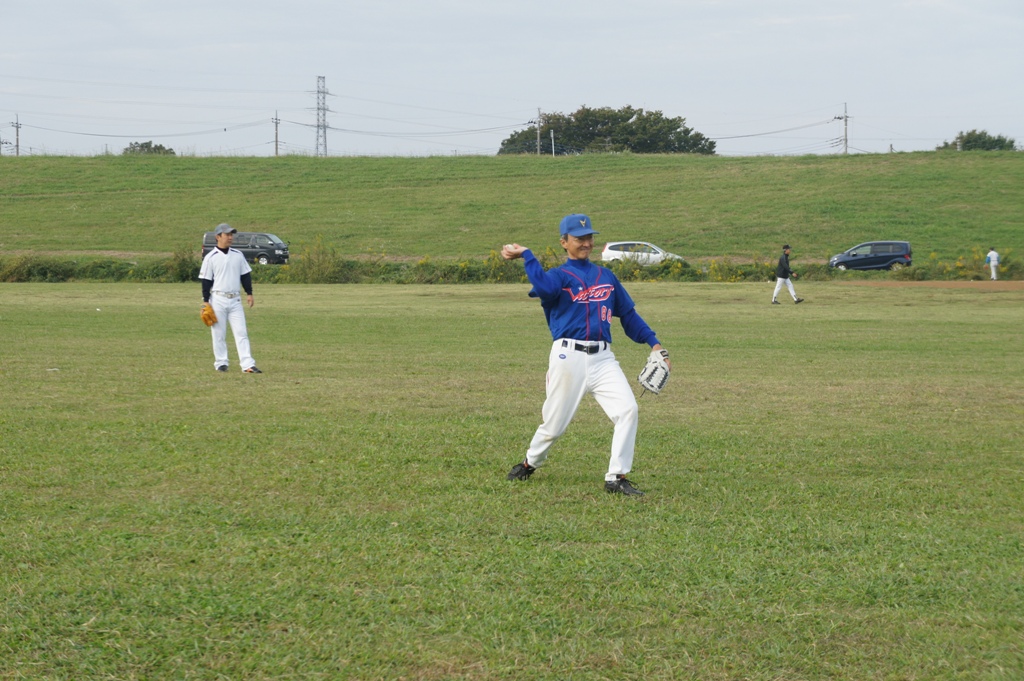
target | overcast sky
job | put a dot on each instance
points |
(442, 77)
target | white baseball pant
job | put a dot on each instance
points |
(994, 266)
(778, 287)
(230, 311)
(571, 375)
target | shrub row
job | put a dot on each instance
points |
(23, 268)
(321, 264)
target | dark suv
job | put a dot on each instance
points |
(266, 249)
(874, 255)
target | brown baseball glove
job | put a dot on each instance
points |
(207, 314)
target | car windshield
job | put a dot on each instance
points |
(276, 239)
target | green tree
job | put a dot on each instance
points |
(146, 148)
(978, 140)
(607, 130)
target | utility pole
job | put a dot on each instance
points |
(277, 122)
(321, 116)
(552, 142)
(17, 136)
(846, 139)
(540, 121)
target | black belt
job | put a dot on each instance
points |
(589, 349)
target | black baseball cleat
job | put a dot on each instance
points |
(251, 370)
(622, 486)
(222, 367)
(798, 301)
(521, 471)
(775, 302)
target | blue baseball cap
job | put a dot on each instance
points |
(576, 225)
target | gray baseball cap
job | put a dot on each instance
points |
(224, 228)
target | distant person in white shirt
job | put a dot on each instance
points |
(224, 275)
(992, 260)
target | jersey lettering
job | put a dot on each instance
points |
(594, 294)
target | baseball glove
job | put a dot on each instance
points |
(207, 314)
(654, 375)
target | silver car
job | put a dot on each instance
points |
(640, 252)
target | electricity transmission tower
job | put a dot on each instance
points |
(321, 116)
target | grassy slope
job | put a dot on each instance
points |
(465, 206)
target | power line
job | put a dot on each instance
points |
(130, 102)
(149, 86)
(452, 133)
(351, 114)
(421, 108)
(174, 134)
(447, 133)
(773, 132)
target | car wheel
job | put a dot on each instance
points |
(263, 260)
(896, 267)
(841, 268)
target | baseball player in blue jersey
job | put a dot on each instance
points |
(579, 300)
(223, 275)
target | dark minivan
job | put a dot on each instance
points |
(260, 247)
(874, 255)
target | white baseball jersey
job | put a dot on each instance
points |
(225, 269)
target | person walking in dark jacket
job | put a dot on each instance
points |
(784, 275)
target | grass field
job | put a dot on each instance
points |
(447, 207)
(834, 490)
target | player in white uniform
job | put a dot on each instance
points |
(579, 300)
(992, 260)
(224, 274)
